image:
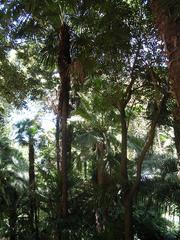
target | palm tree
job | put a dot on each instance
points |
(26, 135)
(49, 20)
(9, 199)
(9, 194)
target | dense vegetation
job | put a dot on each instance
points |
(108, 168)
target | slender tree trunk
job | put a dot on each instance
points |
(123, 166)
(127, 204)
(100, 180)
(58, 159)
(128, 220)
(31, 184)
(58, 143)
(129, 192)
(127, 201)
(64, 60)
(85, 170)
(13, 219)
(100, 173)
(32, 201)
(123, 161)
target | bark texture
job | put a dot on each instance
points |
(64, 61)
(168, 24)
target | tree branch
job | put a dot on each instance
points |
(128, 91)
(148, 144)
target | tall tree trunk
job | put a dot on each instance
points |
(130, 191)
(133, 190)
(13, 217)
(123, 159)
(169, 27)
(168, 24)
(128, 220)
(64, 60)
(12, 225)
(63, 137)
(123, 169)
(124, 178)
(58, 143)
(32, 201)
(100, 175)
(126, 202)
(58, 159)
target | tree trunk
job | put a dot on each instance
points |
(64, 60)
(58, 143)
(58, 159)
(12, 223)
(123, 161)
(13, 217)
(123, 169)
(128, 220)
(126, 202)
(168, 24)
(31, 184)
(32, 201)
(129, 192)
(100, 180)
(63, 146)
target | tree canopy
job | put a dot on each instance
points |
(109, 72)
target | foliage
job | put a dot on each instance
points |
(118, 80)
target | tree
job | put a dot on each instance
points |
(168, 23)
(26, 135)
(112, 75)
(9, 177)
